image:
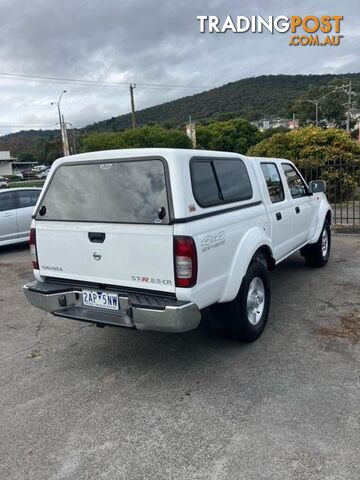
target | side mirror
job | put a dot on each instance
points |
(317, 186)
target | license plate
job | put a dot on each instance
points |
(101, 299)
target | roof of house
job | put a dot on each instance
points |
(6, 157)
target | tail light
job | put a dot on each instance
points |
(33, 251)
(185, 261)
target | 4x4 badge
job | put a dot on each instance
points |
(96, 255)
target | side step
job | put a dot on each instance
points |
(83, 314)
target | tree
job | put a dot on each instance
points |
(329, 154)
(52, 150)
(312, 144)
(271, 131)
(26, 157)
(231, 136)
(332, 102)
(144, 137)
(330, 106)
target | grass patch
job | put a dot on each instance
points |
(27, 183)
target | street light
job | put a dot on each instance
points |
(317, 102)
(62, 125)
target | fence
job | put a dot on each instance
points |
(342, 188)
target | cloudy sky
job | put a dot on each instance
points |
(146, 42)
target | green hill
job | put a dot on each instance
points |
(250, 98)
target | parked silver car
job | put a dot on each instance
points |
(16, 207)
(3, 182)
(18, 173)
(42, 175)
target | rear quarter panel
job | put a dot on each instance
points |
(225, 245)
(225, 242)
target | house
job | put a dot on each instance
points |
(6, 161)
(293, 124)
(355, 113)
(271, 122)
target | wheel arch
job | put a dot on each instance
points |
(324, 213)
(328, 216)
(254, 245)
(264, 254)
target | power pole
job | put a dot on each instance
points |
(132, 88)
(190, 131)
(316, 103)
(348, 109)
(65, 137)
(72, 147)
(347, 88)
(62, 130)
(74, 142)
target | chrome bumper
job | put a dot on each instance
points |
(64, 301)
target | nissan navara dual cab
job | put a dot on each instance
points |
(149, 238)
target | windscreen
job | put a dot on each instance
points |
(118, 191)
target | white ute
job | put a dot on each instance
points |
(148, 238)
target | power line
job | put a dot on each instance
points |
(30, 126)
(12, 76)
(62, 82)
(92, 83)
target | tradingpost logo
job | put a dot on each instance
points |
(304, 31)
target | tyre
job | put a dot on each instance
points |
(246, 316)
(317, 255)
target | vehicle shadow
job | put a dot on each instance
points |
(192, 348)
(162, 354)
(18, 247)
(112, 347)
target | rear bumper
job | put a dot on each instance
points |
(142, 312)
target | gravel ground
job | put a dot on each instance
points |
(78, 402)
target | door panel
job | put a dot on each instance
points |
(303, 204)
(26, 202)
(304, 210)
(282, 229)
(280, 211)
(8, 226)
(23, 219)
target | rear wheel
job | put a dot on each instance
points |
(317, 255)
(246, 316)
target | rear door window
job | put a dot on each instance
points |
(218, 181)
(206, 190)
(273, 182)
(7, 201)
(27, 198)
(233, 179)
(116, 191)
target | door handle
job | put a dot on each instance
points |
(8, 214)
(96, 237)
(278, 216)
(297, 209)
